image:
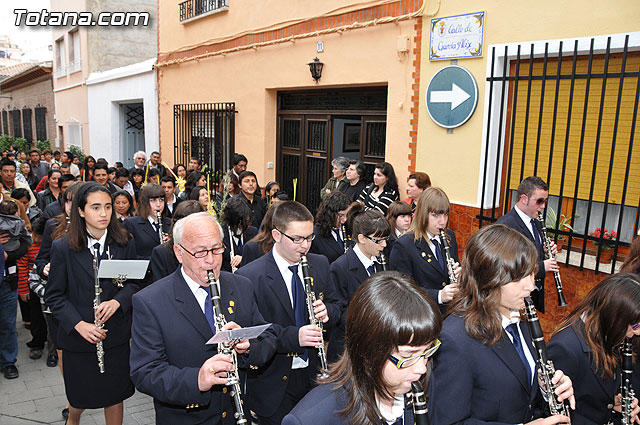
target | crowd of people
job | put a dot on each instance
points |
(368, 303)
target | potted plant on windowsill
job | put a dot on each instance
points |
(552, 223)
(607, 243)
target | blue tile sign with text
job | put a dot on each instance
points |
(455, 37)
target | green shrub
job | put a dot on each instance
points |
(42, 145)
(76, 151)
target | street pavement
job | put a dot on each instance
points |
(37, 395)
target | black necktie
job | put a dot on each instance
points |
(208, 310)
(96, 248)
(299, 302)
(536, 234)
(436, 243)
(155, 226)
(515, 335)
(338, 238)
(371, 269)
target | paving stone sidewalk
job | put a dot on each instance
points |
(37, 396)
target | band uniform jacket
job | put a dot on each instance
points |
(348, 273)
(70, 294)
(168, 347)
(513, 220)
(145, 235)
(226, 256)
(322, 405)
(571, 354)
(416, 260)
(250, 251)
(267, 385)
(163, 262)
(326, 245)
(473, 383)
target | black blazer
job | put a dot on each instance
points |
(145, 235)
(326, 245)
(250, 252)
(348, 273)
(416, 260)
(168, 347)
(571, 354)
(53, 209)
(267, 385)
(513, 220)
(226, 256)
(70, 294)
(321, 407)
(175, 205)
(163, 262)
(477, 384)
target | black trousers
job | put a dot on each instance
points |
(38, 323)
(300, 383)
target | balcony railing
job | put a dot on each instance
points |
(75, 66)
(60, 71)
(194, 9)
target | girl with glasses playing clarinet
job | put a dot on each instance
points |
(370, 231)
(586, 345)
(486, 370)
(94, 234)
(391, 331)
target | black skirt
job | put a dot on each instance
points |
(87, 388)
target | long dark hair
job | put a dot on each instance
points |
(388, 310)
(264, 238)
(494, 256)
(607, 311)
(237, 214)
(387, 170)
(87, 172)
(127, 195)
(632, 263)
(78, 229)
(61, 219)
(192, 181)
(327, 214)
(370, 223)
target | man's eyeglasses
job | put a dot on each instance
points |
(408, 362)
(635, 327)
(541, 201)
(216, 250)
(297, 239)
(376, 240)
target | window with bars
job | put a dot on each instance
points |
(26, 125)
(5, 122)
(41, 123)
(569, 116)
(15, 123)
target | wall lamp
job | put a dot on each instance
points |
(316, 68)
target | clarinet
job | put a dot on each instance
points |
(547, 251)
(383, 262)
(346, 239)
(233, 382)
(311, 299)
(419, 405)
(626, 390)
(160, 233)
(96, 304)
(547, 370)
(453, 279)
(232, 252)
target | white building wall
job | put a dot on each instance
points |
(106, 92)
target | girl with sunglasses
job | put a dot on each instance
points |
(391, 331)
(420, 254)
(486, 370)
(586, 345)
(370, 231)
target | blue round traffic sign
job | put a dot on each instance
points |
(452, 96)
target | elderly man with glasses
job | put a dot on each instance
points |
(172, 321)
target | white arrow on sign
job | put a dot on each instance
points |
(456, 96)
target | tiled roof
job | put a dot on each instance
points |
(8, 71)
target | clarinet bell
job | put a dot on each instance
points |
(562, 302)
